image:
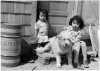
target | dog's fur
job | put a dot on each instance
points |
(60, 44)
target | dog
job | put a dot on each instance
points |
(60, 44)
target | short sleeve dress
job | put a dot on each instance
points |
(42, 31)
(75, 35)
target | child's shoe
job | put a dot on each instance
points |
(85, 63)
(77, 65)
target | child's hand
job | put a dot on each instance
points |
(65, 28)
(36, 40)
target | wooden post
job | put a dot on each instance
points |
(33, 19)
(77, 8)
(70, 11)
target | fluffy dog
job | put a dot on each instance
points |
(60, 44)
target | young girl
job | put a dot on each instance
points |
(41, 28)
(76, 28)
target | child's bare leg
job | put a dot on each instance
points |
(46, 47)
(76, 49)
(84, 52)
(43, 49)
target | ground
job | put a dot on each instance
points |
(93, 65)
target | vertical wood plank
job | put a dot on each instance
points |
(33, 19)
(11, 7)
(2, 18)
(79, 8)
(27, 30)
(23, 31)
(5, 7)
(2, 6)
(5, 17)
(28, 8)
(69, 10)
(8, 7)
(26, 19)
(11, 18)
(18, 19)
(16, 7)
(75, 8)
(21, 7)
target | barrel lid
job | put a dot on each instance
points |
(12, 24)
(10, 36)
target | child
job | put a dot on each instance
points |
(76, 28)
(41, 28)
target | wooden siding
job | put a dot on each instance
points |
(18, 12)
(59, 14)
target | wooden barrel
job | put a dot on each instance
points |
(10, 44)
(10, 30)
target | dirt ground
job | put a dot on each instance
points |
(93, 65)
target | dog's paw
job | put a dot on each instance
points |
(58, 65)
(71, 66)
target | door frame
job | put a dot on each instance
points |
(77, 10)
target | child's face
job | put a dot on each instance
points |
(75, 24)
(42, 16)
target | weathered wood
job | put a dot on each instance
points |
(57, 20)
(28, 8)
(26, 19)
(49, 58)
(27, 30)
(79, 7)
(33, 19)
(11, 18)
(60, 13)
(16, 7)
(58, 6)
(5, 17)
(69, 10)
(43, 61)
(18, 19)
(22, 8)
(2, 20)
(44, 58)
(2, 6)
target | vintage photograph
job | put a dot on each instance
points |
(49, 35)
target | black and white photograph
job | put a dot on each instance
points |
(49, 35)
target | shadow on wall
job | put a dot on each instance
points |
(27, 52)
(51, 31)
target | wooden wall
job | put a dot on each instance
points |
(18, 12)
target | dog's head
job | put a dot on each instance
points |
(64, 39)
